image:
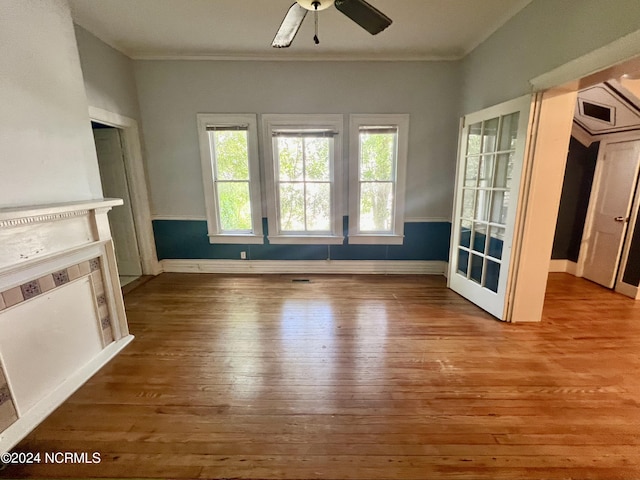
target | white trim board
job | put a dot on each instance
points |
(384, 267)
(427, 220)
(34, 416)
(204, 218)
(199, 218)
(563, 266)
(627, 290)
(293, 57)
(618, 51)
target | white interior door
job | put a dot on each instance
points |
(615, 183)
(114, 185)
(491, 154)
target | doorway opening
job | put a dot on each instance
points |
(116, 184)
(598, 213)
(137, 190)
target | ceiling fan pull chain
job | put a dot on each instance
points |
(315, 37)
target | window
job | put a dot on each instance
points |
(230, 169)
(304, 178)
(378, 146)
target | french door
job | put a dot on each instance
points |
(490, 159)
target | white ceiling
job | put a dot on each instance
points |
(163, 29)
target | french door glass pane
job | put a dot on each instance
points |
(482, 205)
(499, 206)
(504, 168)
(235, 206)
(492, 275)
(467, 203)
(292, 207)
(474, 139)
(290, 158)
(479, 237)
(463, 262)
(486, 171)
(231, 154)
(509, 133)
(476, 268)
(376, 206)
(471, 171)
(465, 233)
(318, 207)
(489, 135)
(496, 241)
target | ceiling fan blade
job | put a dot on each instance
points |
(365, 15)
(290, 25)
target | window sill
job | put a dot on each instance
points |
(376, 239)
(305, 240)
(237, 239)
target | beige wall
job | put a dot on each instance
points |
(108, 76)
(46, 146)
(172, 93)
(543, 36)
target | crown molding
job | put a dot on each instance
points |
(298, 57)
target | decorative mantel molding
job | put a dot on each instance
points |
(55, 211)
(60, 297)
(51, 217)
(41, 231)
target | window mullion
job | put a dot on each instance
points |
(304, 179)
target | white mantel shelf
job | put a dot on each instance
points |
(28, 211)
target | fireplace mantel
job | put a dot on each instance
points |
(61, 310)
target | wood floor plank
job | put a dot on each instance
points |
(355, 377)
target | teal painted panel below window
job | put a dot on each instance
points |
(187, 239)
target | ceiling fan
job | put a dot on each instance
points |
(364, 14)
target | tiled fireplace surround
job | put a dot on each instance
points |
(60, 297)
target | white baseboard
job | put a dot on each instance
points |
(34, 416)
(306, 266)
(628, 290)
(563, 266)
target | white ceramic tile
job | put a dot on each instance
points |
(85, 268)
(46, 283)
(13, 296)
(74, 272)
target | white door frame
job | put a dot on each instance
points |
(622, 287)
(619, 285)
(137, 178)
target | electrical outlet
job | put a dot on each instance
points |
(243, 255)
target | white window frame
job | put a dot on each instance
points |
(275, 122)
(401, 121)
(211, 199)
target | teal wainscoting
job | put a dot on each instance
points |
(187, 239)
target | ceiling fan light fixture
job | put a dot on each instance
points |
(361, 12)
(364, 14)
(312, 4)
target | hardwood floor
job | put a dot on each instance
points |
(356, 377)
